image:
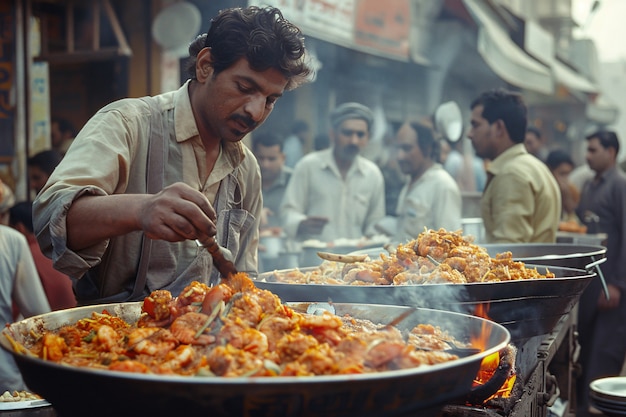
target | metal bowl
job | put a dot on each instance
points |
(423, 390)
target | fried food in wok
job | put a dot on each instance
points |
(436, 256)
(235, 329)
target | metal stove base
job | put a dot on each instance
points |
(546, 370)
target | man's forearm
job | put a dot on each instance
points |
(92, 219)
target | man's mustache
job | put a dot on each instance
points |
(247, 121)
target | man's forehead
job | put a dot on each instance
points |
(270, 81)
(354, 124)
(477, 111)
(268, 148)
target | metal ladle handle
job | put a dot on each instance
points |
(223, 265)
(596, 265)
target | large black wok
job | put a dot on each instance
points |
(422, 391)
(526, 308)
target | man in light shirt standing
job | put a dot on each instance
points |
(19, 286)
(431, 198)
(336, 193)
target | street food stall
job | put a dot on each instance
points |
(533, 367)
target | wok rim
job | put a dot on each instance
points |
(593, 250)
(274, 380)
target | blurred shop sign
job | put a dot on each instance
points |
(7, 79)
(372, 26)
(384, 26)
(40, 107)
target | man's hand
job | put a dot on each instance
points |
(312, 225)
(177, 213)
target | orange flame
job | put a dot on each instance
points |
(490, 363)
(481, 341)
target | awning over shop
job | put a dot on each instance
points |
(540, 44)
(505, 57)
(602, 110)
(571, 79)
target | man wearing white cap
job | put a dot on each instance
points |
(19, 283)
(336, 193)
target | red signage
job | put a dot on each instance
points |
(383, 25)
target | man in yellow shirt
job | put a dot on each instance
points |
(521, 201)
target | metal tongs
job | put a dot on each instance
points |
(220, 256)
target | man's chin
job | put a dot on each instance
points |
(234, 136)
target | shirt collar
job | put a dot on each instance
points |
(186, 127)
(328, 161)
(506, 157)
(606, 174)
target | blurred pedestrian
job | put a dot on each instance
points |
(268, 150)
(561, 165)
(521, 201)
(321, 141)
(62, 134)
(602, 319)
(58, 286)
(336, 193)
(468, 170)
(431, 198)
(20, 288)
(535, 143)
(580, 175)
(40, 167)
(295, 142)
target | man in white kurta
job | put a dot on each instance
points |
(336, 193)
(431, 198)
(19, 285)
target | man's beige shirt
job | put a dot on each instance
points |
(109, 156)
(521, 202)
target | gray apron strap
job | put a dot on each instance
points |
(154, 184)
(228, 196)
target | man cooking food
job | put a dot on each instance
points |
(146, 177)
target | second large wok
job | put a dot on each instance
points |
(421, 391)
(526, 308)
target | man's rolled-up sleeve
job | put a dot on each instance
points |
(97, 163)
(51, 231)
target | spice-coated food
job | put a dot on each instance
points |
(236, 329)
(436, 256)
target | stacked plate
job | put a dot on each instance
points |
(609, 395)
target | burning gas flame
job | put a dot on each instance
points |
(490, 363)
(482, 339)
(488, 368)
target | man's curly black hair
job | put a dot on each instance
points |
(261, 35)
